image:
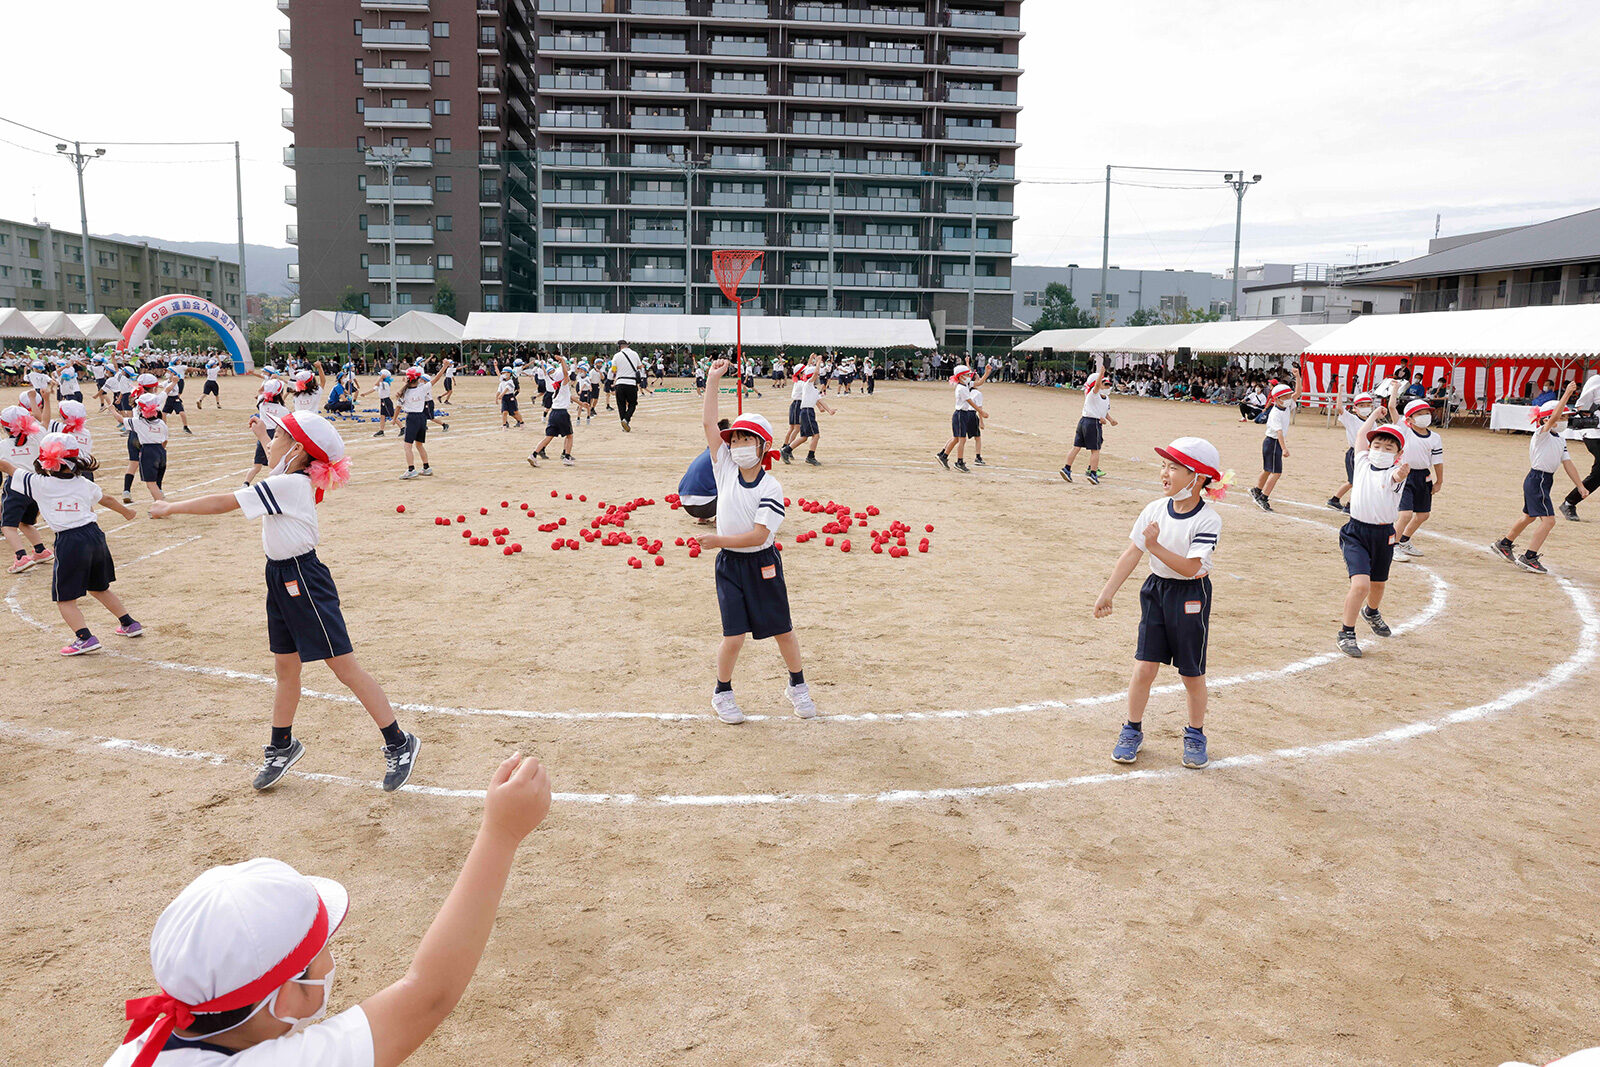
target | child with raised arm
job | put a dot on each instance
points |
(1546, 451)
(1090, 433)
(1367, 540)
(1424, 455)
(304, 623)
(751, 594)
(1275, 444)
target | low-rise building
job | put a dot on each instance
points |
(1165, 292)
(1318, 292)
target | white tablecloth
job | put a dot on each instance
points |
(1510, 417)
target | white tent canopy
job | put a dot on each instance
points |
(1525, 332)
(420, 328)
(760, 331)
(96, 327)
(1145, 340)
(13, 323)
(1060, 340)
(1258, 337)
(317, 328)
(55, 326)
(1255, 337)
(1316, 331)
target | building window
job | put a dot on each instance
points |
(166, 269)
(363, 261)
(441, 146)
(361, 106)
(361, 223)
(361, 182)
(1030, 298)
(358, 27)
(446, 263)
(491, 301)
(1277, 305)
(441, 67)
(442, 183)
(445, 222)
(1307, 304)
(361, 144)
(441, 107)
(361, 68)
(441, 29)
(1112, 300)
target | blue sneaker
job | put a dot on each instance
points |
(1194, 748)
(1129, 742)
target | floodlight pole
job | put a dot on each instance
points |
(975, 175)
(832, 306)
(691, 164)
(1105, 251)
(390, 159)
(79, 161)
(1240, 184)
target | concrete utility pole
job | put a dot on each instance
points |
(389, 157)
(238, 192)
(1240, 184)
(833, 307)
(975, 175)
(1105, 251)
(691, 165)
(79, 161)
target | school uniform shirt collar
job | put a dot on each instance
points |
(1173, 510)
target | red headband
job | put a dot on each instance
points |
(166, 1013)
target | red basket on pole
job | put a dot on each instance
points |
(730, 266)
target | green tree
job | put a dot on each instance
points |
(444, 299)
(1143, 317)
(1061, 312)
(1188, 315)
(351, 300)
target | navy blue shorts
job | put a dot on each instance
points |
(974, 424)
(76, 394)
(559, 423)
(416, 431)
(1175, 623)
(1536, 494)
(173, 406)
(386, 408)
(153, 464)
(16, 509)
(303, 610)
(122, 401)
(211, 389)
(1090, 434)
(751, 594)
(1272, 455)
(1368, 548)
(508, 404)
(808, 423)
(1417, 496)
(260, 459)
(133, 448)
(794, 413)
(1350, 465)
(82, 564)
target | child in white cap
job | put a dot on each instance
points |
(244, 962)
(74, 419)
(20, 437)
(751, 594)
(1547, 451)
(304, 623)
(269, 409)
(1275, 445)
(964, 422)
(1180, 532)
(307, 386)
(149, 426)
(1090, 433)
(1424, 454)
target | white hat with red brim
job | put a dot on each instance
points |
(961, 370)
(329, 468)
(1387, 431)
(55, 447)
(1544, 411)
(1196, 454)
(272, 387)
(750, 422)
(1417, 407)
(1364, 398)
(151, 404)
(1279, 392)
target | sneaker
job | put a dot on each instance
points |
(20, 565)
(1569, 512)
(127, 498)
(82, 646)
(961, 465)
(426, 472)
(1348, 644)
(1129, 742)
(532, 462)
(398, 762)
(378, 434)
(1375, 620)
(44, 556)
(1255, 492)
(1333, 502)
(277, 762)
(1529, 561)
(629, 429)
(1412, 550)
(727, 708)
(1402, 551)
(133, 629)
(944, 460)
(811, 458)
(1194, 748)
(786, 454)
(1094, 477)
(978, 461)
(187, 430)
(1263, 502)
(1066, 473)
(408, 475)
(1502, 548)
(800, 697)
(566, 460)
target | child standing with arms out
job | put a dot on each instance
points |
(810, 433)
(963, 422)
(304, 623)
(416, 400)
(1275, 445)
(149, 427)
(507, 392)
(1424, 455)
(269, 408)
(213, 386)
(751, 593)
(386, 401)
(83, 564)
(1546, 452)
(1353, 419)
(802, 372)
(1180, 533)
(19, 449)
(1090, 433)
(1367, 540)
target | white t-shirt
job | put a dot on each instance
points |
(1422, 451)
(64, 503)
(626, 363)
(1277, 421)
(1095, 406)
(287, 504)
(1547, 451)
(563, 391)
(506, 387)
(1352, 424)
(1374, 494)
(212, 370)
(305, 401)
(866, 369)
(741, 506)
(84, 437)
(1193, 535)
(39, 380)
(809, 393)
(342, 1041)
(149, 431)
(122, 381)
(798, 391)
(271, 412)
(976, 397)
(413, 399)
(20, 455)
(963, 397)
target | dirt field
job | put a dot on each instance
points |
(946, 868)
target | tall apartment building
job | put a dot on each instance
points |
(588, 155)
(41, 269)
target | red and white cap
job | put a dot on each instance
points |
(1364, 398)
(272, 387)
(1280, 391)
(73, 416)
(750, 422)
(28, 400)
(804, 373)
(1417, 407)
(55, 447)
(19, 421)
(233, 936)
(1196, 454)
(413, 373)
(302, 380)
(1387, 431)
(147, 380)
(151, 404)
(1544, 411)
(329, 468)
(961, 370)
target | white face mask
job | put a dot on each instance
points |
(1363, 411)
(1560, 427)
(1381, 461)
(746, 456)
(326, 982)
(1423, 421)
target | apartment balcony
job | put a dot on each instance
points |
(411, 118)
(985, 282)
(658, 46)
(961, 57)
(842, 54)
(404, 273)
(390, 77)
(846, 313)
(739, 86)
(655, 237)
(489, 234)
(288, 156)
(288, 118)
(739, 162)
(390, 312)
(656, 198)
(561, 42)
(984, 244)
(292, 272)
(642, 84)
(291, 235)
(576, 274)
(567, 235)
(981, 96)
(582, 7)
(657, 274)
(489, 81)
(286, 78)
(660, 309)
(572, 120)
(978, 20)
(660, 7)
(856, 280)
(403, 235)
(875, 204)
(574, 196)
(410, 195)
(738, 199)
(737, 48)
(289, 195)
(647, 159)
(828, 91)
(488, 7)
(283, 5)
(489, 119)
(876, 130)
(578, 309)
(489, 193)
(659, 122)
(394, 5)
(999, 174)
(283, 40)
(822, 165)
(982, 207)
(402, 157)
(956, 132)
(721, 124)
(839, 13)
(557, 83)
(863, 242)
(727, 9)
(396, 40)
(488, 40)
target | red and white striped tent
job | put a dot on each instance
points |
(1488, 354)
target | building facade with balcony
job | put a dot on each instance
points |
(868, 146)
(42, 269)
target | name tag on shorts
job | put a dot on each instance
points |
(769, 571)
(1394, 538)
(293, 587)
(1191, 607)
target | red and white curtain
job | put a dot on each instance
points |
(1481, 382)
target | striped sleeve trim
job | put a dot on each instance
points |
(268, 501)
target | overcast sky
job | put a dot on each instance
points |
(1366, 118)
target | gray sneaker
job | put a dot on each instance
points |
(408, 475)
(1348, 644)
(1194, 748)
(727, 708)
(1129, 742)
(277, 762)
(800, 697)
(398, 762)
(1375, 620)
(1569, 512)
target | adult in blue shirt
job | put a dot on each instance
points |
(339, 399)
(1546, 393)
(697, 489)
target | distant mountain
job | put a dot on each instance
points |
(265, 267)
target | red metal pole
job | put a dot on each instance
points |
(738, 347)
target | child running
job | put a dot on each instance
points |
(1546, 452)
(18, 512)
(964, 422)
(416, 400)
(213, 386)
(83, 565)
(1424, 456)
(1275, 445)
(304, 623)
(257, 935)
(751, 593)
(176, 374)
(977, 436)
(1180, 533)
(149, 426)
(1352, 418)
(386, 401)
(270, 408)
(802, 371)
(559, 422)
(1367, 539)
(1091, 431)
(809, 433)
(507, 392)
